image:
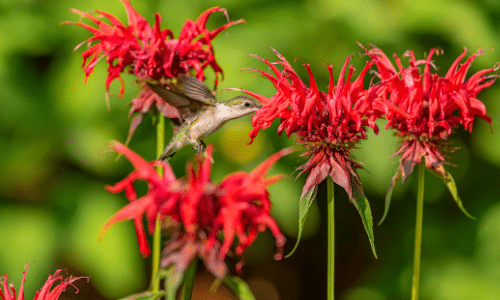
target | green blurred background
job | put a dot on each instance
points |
(54, 132)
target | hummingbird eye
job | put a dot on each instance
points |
(247, 104)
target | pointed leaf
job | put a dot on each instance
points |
(239, 288)
(173, 281)
(304, 205)
(145, 296)
(188, 280)
(389, 194)
(134, 123)
(215, 285)
(452, 187)
(361, 203)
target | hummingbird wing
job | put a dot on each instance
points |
(195, 89)
(191, 96)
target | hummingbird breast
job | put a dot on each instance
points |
(206, 122)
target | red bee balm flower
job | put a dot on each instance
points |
(7, 291)
(425, 108)
(151, 53)
(327, 124)
(239, 206)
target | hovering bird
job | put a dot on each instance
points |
(201, 113)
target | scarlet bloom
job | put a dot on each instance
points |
(197, 210)
(327, 124)
(149, 52)
(425, 108)
(7, 291)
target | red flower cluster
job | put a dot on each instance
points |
(151, 53)
(7, 291)
(425, 108)
(327, 124)
(238, 206)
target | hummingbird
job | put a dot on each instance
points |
(202, 114)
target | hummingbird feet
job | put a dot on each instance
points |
(200, 147)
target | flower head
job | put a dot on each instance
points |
(198, 209)
(327, 124)
(150, 53)
(425, 108)
(7, 291)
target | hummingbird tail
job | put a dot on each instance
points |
(166, 157)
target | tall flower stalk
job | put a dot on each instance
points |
(327, 125)
(331, 240)
(160, 144)
(425, 108)
(415, 282)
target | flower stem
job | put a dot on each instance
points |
(160, 139)
(418, 232)
(189, 276)
(331, 239)
(160, 144)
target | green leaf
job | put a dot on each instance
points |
(304, 205)
(239, 288)
(173, 281)
(215, 285)
(452, 187)
(389, 194)
(188, 280)
(145, 296)
(361, 203)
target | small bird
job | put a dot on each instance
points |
(201, 113)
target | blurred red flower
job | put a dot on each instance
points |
(425, 108)
(7, 291)
(151, 53)
(198, 209)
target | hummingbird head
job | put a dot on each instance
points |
(241, 105)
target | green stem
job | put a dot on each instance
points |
(160, 144)
(189, 276)
(160, 139)
(331, 239)
(418, 232)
